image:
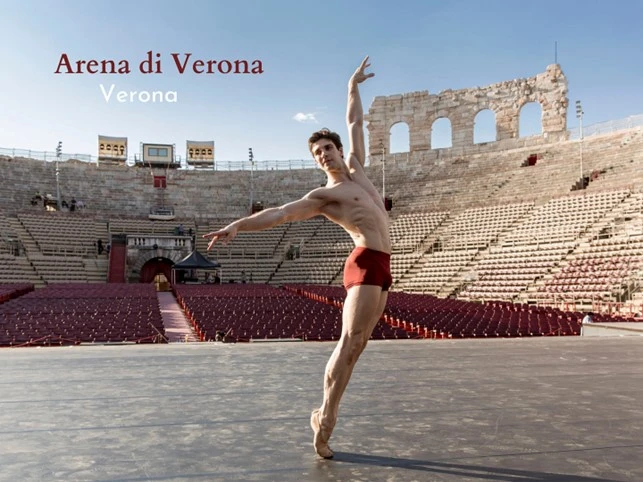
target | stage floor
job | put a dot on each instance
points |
(546, 409)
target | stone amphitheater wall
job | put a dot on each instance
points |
(202, 194)
(419, 110)
(121, 190)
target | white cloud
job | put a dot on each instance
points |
(307, 118)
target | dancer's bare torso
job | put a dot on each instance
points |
(356, 205)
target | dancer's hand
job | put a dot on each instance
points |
(226, 235)
(360, 75)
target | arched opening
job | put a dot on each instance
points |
(156, 266)
(441, 134)
(400, 140)
(484, 127)
(530, 120)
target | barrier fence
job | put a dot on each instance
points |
(267, 165)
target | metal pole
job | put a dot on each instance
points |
(579, 116)
(57, 186)
(383, 172)
(252, 187)
(580, 126)
(59, 149)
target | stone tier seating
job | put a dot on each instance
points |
(16, 269)
(8, 237)
(311, 270)
(564, 219)
(41, 270)
(140, 225)
(408, 231)
(449, 180)
(255, 245)
(64, 234)
(509, 270)
(79, 313)
(477, 227)
(440, 268)
(314, 237)
(592, 278)
(256, 270)
(59, 269)
(537, 245)
(298, 234)
(452, 182)
(319, 235)
(328, 239)
(605, 270)
(402, 263)
(616, 161)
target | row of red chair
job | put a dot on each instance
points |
(279, 314)
(9, 291)
(65, 314)
(431, 317)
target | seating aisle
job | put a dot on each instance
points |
(177, 327)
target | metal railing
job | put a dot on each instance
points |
(268, 165)
(607, 127)
(45, 155)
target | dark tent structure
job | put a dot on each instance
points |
(196, 261)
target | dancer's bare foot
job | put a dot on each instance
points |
(321, 436)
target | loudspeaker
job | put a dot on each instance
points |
(257, 206)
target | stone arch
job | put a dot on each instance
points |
(484, 126)
(399, 137)
(421, 109)
(530, 119)
(154, 266)
(441, 133)
(136, 266)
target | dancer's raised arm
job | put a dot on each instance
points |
(355, 116)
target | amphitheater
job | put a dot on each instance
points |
(507, 230)
(499, 240)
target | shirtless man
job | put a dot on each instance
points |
(351, 200)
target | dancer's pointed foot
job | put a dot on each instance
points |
(321, 436)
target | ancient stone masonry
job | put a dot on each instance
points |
(419, 110)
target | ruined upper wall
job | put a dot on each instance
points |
(419, 110)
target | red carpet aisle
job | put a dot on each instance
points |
(177, 327)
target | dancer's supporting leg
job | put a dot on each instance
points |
(363, 308)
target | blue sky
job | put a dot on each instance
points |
(308, 50)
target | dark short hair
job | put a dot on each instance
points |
(324, 134)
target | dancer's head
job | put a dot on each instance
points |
(327, 150)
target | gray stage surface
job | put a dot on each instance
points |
(546, 409)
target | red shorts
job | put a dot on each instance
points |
(367, 266)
